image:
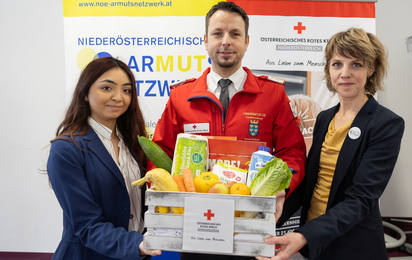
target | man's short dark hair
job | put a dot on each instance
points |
(228, 7)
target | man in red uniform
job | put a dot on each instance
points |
(258, 108)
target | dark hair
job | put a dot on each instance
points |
(228, 7)
(356, 43)
(130, 124)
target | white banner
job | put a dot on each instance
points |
(158, 55)
(291, 44)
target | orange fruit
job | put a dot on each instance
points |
(239, 189)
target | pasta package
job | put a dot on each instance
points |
(191, 151)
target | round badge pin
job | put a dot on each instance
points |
(354, 133)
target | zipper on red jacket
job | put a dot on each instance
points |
(214, 114)
(213, 132)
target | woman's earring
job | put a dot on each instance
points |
(86, 99)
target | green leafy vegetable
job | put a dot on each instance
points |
(274, 177)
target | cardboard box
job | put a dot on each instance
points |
(233, 152)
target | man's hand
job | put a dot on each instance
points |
(289, 244)
(280, 200)
(144, 251)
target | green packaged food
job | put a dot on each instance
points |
(191, 151)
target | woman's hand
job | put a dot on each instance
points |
(144, 251)
(280, 200)
(289, 244)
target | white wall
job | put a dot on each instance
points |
(32, 75)
(393, 26)
(32, 79)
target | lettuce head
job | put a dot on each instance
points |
(274, 177)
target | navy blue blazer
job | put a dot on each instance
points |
(96, 206)
(352, 227)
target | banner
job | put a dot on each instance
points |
(295, 33)
(162, 42)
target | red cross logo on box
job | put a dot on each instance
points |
(209, 214)
(299, 28)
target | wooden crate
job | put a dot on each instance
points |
(265, 225)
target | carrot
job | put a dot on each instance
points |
(178, 179)
(188, 180)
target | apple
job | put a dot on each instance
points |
(219, 187)
(230, 183)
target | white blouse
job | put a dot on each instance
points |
(129, 169)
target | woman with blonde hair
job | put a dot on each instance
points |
(353, 154)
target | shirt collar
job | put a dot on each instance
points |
(104, 131)
(237, 78)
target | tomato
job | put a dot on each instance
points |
(204, 181)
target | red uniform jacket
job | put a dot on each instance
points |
(260, 112)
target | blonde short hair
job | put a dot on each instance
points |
(356, 43)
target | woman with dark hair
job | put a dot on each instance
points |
(353, 154)
(93, 161)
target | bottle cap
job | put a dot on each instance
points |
(264, 148)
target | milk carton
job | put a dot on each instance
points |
(257, 162)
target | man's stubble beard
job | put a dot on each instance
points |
(226, 64)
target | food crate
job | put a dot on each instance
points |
(266, 225)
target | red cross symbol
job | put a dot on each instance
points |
(299, 28)
(209, 214)
(194, 126)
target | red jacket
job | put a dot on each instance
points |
(260, 112)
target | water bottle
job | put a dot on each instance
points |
(257, 162)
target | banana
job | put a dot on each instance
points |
(161, 209)
(163, 181)
(160, 178)
(177, 210)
